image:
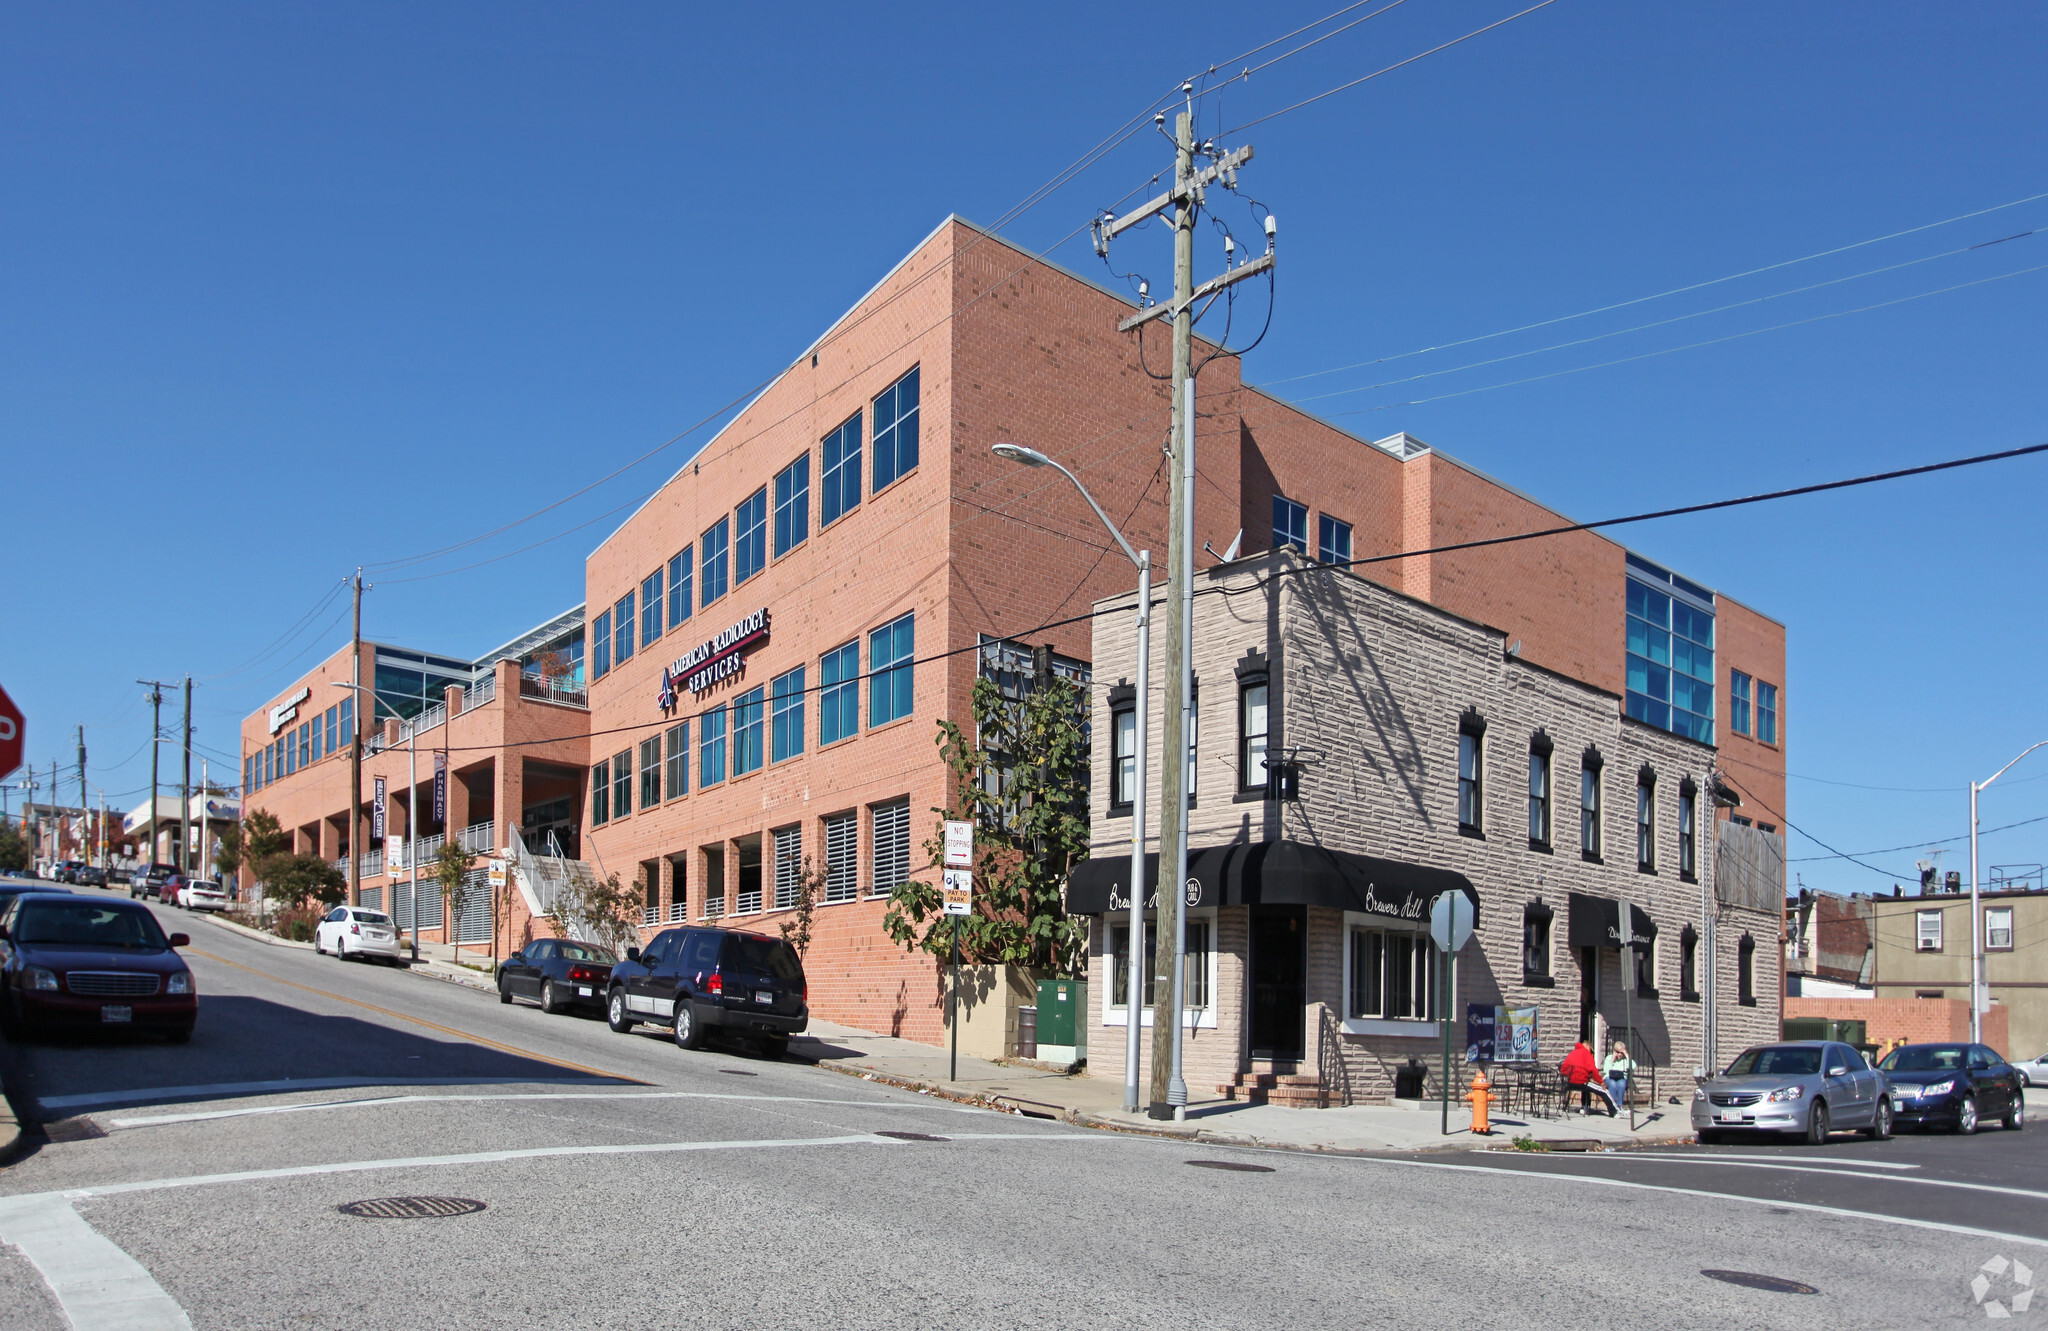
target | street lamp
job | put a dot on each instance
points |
(412, 820)
(1031, 457)
(1978, 1000)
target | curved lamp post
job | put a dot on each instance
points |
(1979, 994)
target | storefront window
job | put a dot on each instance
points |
(1393, 975)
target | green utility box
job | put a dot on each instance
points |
(1062, 1021)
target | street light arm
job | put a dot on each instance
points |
(1981, 784)
(1129, 553)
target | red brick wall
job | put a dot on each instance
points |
(1914, 1020)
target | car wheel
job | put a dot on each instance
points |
(1880, 1129)
(615, 1014)
(2016, 1117)
(1966, 1116)
(689, 1033)
(1817, 1124)
(547, 997)
(504, 993)
(318, 950)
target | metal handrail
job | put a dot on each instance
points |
(478, 836)
(534, 686)
(481, 691)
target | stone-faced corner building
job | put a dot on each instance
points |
(1433, 758)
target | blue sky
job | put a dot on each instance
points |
(292, 288)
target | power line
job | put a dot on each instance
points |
(1915, 845)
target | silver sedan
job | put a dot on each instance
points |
(2033, 1072)
(1802, 1088)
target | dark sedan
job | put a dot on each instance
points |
(87, 963)
(557, 973)
(1955, 1086)
(90, 875)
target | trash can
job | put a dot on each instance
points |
(1027, 1032)
(1408, 1080)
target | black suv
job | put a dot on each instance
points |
(695, 979)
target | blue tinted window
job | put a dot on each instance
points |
(793, 505)
(896, 430)
(1738, 702)
(622, 630)
(786, 716)
(681, 576)
(1333, 540)
(746, 732)
(1767, 712)
(711, 747)
(840, 478)
(716, 543)
(889, 653)
(650, 608)
(839, 696)
(750, 542)
(1669, 661)
(601, 645)
(1290, 524)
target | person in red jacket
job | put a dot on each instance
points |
(1578, 1069)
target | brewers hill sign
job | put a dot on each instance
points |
(711, 662)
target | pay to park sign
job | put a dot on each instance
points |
(958, 889)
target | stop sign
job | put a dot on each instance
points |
(11, 727)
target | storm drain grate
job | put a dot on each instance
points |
(913, 1137)
(1751, 1280)
(1237, 1166)
(410, 1208)
(79, 1129)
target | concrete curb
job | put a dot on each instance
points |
(1000, 1104)
(257, 934)
(426, 969)
(11, 1128)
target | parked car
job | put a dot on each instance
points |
(79, 963)
(202, 894)
(1956, 1086)
(557, 973)
(90, 875)
(1806, 1088)
(700, 980)
(354, 931)
(2033, 1071)
(148, 880)
(66, 871)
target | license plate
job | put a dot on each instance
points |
(582, 991)
(1727, 1118)
(763, 997)
(113, 1012)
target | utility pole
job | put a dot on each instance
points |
(156, 707)
(82, 799)
(1169, 1092)
(355, 749)
(185, 791)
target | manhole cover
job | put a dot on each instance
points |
(410, 1208)
(1751, 1280)
(1237, 1165)
(913, 1137)
(738, 1072)
(73, 1130)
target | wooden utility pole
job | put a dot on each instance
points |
(1169, 1092)
(156, 731)
(185, 791)
(355, 748)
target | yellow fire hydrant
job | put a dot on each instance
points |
(1481, 1095)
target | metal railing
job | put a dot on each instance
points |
(481, 691)
(477, 836)
(425, 721)
(548, 690)
(372, 862)
(678, 910)
(650, 915)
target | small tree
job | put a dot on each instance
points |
(600, 911)
(302, 879)
(1020, 780)
(452, 864)
(13, 849)
(810, 886)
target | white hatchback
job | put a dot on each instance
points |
(203, 894)
(352, 931)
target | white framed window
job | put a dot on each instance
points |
(1198, 1006)
(1390, 977)
(1927, 931)
(891, 837)
(1998, 928)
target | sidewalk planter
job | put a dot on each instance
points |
(989, 999)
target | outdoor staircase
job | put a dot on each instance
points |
(1289, 1090)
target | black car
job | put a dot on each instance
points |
(557, 973)
(1956, 1086)
(77, 963)
(701, 979)
(88, 875)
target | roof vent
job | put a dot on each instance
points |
(1401, 445)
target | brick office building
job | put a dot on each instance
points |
(775, 633)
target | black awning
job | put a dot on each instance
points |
(1283, 873)
(1596, 921)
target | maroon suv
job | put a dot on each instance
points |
(72, 963)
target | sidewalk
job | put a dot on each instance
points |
(1097, 1102)
(436, 959)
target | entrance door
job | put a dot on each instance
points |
(1589, 991)
(1279, 981)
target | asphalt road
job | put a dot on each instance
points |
(626, 1183)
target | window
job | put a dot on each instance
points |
(1123, 777)
(601, 646)
(786, 728)
(842, 850)
(896, 430)
(1536, 921)
(650, 910)
(1927, 931)
(750, 542)
(1290, 524)
(889, 652)
(789, 866)
(714, 882)
(319, 736)
(1471, 772)
(678, 761)
(650, 609)
(716, 543)
(746, 897)
(1738, 702)
(622, 783)
(1670, 656)
(746, 732)
(1194, 992)
(1646, 968)
(891, 830)
(793, 505)
(1589, 805)
(1646, 821)
(600, 792)
(681, 574)
(1998, 928)
(1392, 975)
(1253, 724)
(1539, 792)
(291, 750)
(248, 774)
(1333, 540)
(622, 630)
(839, 696)
(650, 772)
(711, 747)
(1689, 965)
(1745, 971)
(1120, 964)
(839, 476)
(1766, 713)
(348, 721)
(1688, 830)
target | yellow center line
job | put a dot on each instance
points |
(422, 1021)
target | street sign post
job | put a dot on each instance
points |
(959, 844)
(13, 726)
(957, 900)
(1450, 928)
